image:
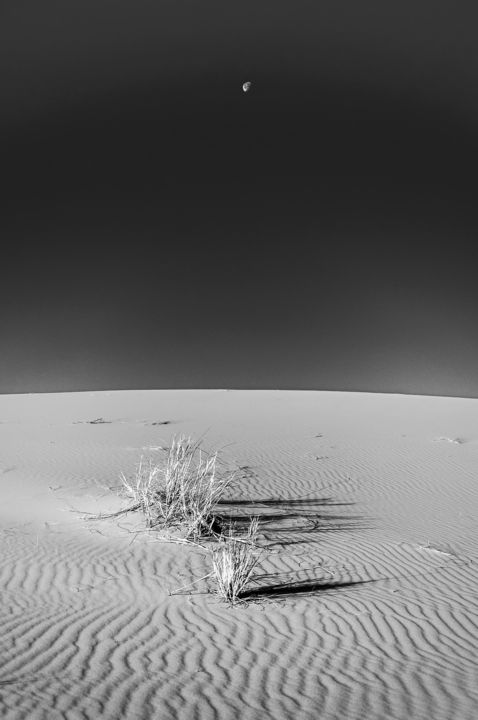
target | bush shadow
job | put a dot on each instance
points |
(299, 587)
(281, 517)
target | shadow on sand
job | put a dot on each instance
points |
(279, 517)
(299, 587)
(291, 522)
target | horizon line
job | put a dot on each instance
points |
(239, 389)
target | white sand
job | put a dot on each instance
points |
(373, 577)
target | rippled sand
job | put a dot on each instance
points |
(365, 605)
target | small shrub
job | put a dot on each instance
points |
(234, 562)
(183, 491)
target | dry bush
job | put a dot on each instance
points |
(181, 492)
(234, 561)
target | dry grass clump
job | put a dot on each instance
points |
(234, 562)
(181, 492)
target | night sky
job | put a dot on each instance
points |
(163, 229)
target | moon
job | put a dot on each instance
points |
(246, 86)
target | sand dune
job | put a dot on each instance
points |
(365, 605)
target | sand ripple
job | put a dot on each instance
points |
(365, 606)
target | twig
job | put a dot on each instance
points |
(176, 592)
(103, 516)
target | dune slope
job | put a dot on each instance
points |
(364, 606)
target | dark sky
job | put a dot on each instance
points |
(161, 228)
